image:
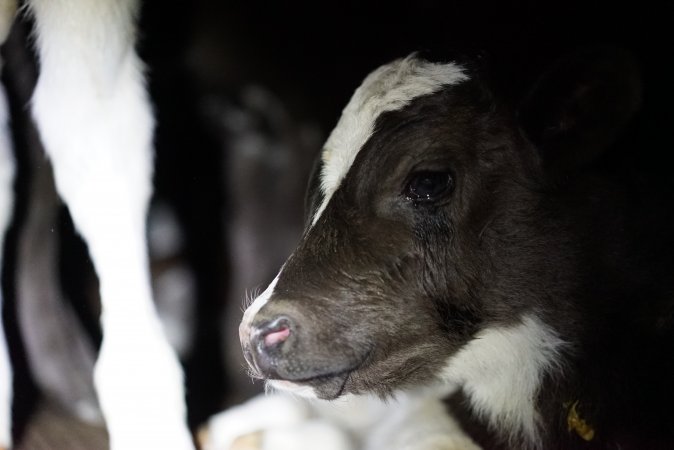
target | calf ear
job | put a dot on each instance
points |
(579, 107)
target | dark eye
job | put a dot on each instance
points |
(428, 186)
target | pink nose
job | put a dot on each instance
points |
(265, 343)
(277, 336)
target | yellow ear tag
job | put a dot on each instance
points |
(578, 425)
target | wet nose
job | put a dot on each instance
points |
(267, 340)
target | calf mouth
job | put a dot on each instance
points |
(303, 374)
(281, 373)
(325, 387)
(293, 353)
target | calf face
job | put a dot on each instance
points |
(436, 248)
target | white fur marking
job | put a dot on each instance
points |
(501, 370)
(288, 387)
(95, 120)
(388, 88)
(254, 308)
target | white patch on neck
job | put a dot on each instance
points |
(389, 88)
(501, 370)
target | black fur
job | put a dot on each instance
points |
(383, 290)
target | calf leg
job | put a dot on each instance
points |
(6, 178)
(94, 117)
(7, 10)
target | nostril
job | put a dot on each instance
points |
(276, 337)
(269, 344)
(275, 332)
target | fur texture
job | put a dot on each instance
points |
(462, 243)
(388, 88)
(96, 123)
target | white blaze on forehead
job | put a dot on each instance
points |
(389, 88)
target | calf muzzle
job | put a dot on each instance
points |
(264, 350)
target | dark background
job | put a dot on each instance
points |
(203, 56)
(312, 55)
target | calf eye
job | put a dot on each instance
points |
(427, 186)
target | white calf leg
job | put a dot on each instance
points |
(7, 10)
(418, 422)
(274, 422)
(94, 117)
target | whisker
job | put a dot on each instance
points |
(249, 297)
(251, 373)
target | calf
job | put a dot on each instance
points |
(457, 243)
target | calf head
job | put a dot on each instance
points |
(429, 228)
